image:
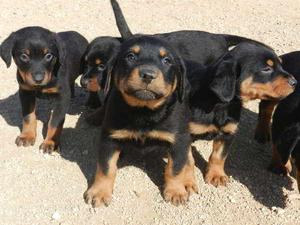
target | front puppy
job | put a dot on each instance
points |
(146, 110)
(47, 64)
(98, 60)
(248, 72)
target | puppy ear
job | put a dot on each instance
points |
(181, 79)
(60, 45)
(224, 82)
(6, 49)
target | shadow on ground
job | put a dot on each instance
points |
(246, 163)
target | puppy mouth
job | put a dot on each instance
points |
(144, 94)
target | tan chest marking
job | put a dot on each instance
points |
(197, 128)
(124, 134)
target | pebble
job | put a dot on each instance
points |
(56, 216)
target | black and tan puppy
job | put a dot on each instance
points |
(146, 110)
(98, 59)
(47, 64)
(290, 62)
(286, 124)
(248, 72)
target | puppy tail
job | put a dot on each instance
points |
(120, 20)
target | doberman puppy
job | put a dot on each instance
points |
(145, 110)
(290, 63)
(47, 64)
(249, 71)
(199, 46)
(98, 59)
(286, 124)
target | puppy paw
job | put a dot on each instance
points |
(25, 140)
(280, 169)
(179, 194)
(98, 196)
(49, 146)
(216, 177)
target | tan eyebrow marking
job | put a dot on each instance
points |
(27, 51)
(98, 61)
(45, 50)
(270, 62)
(136, 49)
(162, 52)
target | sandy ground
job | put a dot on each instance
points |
(42, 189)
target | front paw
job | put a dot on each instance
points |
(178, 194)
(25, 140)
(98, 196)
(49, 146)
(217, 177)
(280, 169)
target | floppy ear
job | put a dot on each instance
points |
(60, 45)
(6, 49)
(224, 81)
(181, 79)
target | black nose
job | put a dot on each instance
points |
(147, 75)
(292, 82)
(38, 78)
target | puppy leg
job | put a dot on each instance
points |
(100, 192)
(215, 173)
(55, 124)
(179, 177)
(28, 134)
(93, 100)
(280, 163)
(262, 131)
(297, 162)
(95, 118)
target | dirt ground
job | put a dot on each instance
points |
(43, 189)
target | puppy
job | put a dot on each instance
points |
(146, 110)
(266, 108)
(286, 124)
(47, 64)
(199, 46)
(98, 58)
(249, 71)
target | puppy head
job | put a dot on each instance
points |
(254, 71)
(35, 51)
(98, 61)
(147, 72)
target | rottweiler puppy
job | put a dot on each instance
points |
(286, 124)
(249, 71)
(290, 63)
(199, 46)
(47, 64)
(98, 59)
(146, 110)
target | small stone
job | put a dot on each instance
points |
(56, 216)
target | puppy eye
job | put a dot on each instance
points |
(48, 57)
(131, 56)
(267, 69)
(166, 60)
(24, 57)
(100, 67)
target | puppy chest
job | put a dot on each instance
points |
(143, 136)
